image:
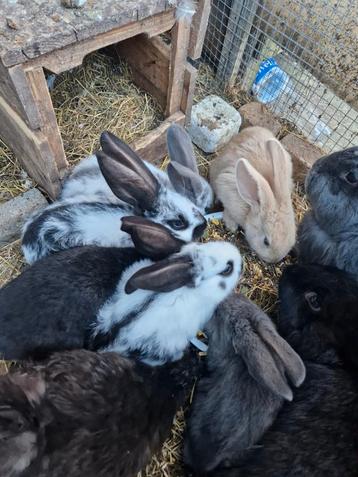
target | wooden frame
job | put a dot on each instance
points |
(27, 119)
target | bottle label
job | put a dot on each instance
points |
(265, 66)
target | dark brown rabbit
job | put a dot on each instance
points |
(82, 414)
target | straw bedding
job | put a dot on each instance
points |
(99, 95)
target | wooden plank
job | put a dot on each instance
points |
(198, 28)
(72, 55)
(14, 89)
(37, 81)
(179, 49)
(238, 29)
(190, 75)
(149, 62)
(43, 26)
(31, 149)
(153, 147)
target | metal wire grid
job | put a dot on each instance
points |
(241, 34)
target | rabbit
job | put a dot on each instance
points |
(316, 434)
(328, 233)
(249, 367)
(252, 177)
(182, 175)
(183, 170)
(86, 414)
(93, 220)
(104, 298)
(327, 297)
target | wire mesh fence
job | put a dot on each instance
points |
(298, 57)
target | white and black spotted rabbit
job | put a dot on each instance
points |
(111, 185)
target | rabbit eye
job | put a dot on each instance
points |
(351, 178)
(228, 269)
(178, 224)
(313, 301)
(266, 242)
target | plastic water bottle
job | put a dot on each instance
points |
(270, 81)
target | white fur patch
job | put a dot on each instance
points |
(163, 329)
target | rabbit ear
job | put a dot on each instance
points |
(259, 360)
(151, 239)
(183, 170)
(289, 359)
(126, 174)
(185, 181)
(164, 276)
(181, 148)
(282, 169)
(33, 386)
(252, 186)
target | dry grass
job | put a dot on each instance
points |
(13, 180)
(99, 95)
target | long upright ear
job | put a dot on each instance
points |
(183, 170)
(252, 186)
(181, 148)
(164, 276)
(151, 239)
(259, 360)
(185, 181)
(126, 174)
(282, 170)
(289, 359)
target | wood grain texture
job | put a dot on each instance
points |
(179, 48)
(153, 147)
(14, 88)
(45, 25)
(38, 85)
(190, 75)
(149, 61)
(68, 57)
(198, 28)
(31, 149)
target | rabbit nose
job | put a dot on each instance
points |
(199, 230)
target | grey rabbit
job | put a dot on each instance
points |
(86, 414)
(328, 233)
(249, 370)
(316, 434)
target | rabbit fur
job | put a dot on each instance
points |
(87, 180)
(252, 178)
(315, 435)
(243, 388)
(86, 414)
(113, 299)
(328, 233)
(86, 213)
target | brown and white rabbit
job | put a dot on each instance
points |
(252, 177)
(86, 414)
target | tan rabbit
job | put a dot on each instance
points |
(252, 177)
